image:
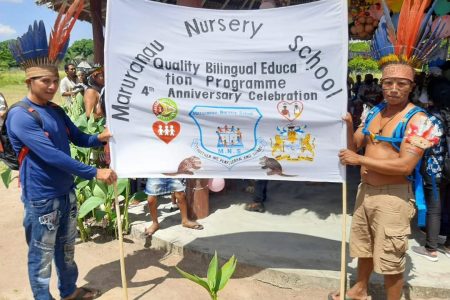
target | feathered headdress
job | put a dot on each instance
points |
(411, 41)
(32, 52)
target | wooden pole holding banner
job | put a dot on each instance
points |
(343, 242)
(122, 259)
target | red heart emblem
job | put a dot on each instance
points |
(290, 110)
(166, 131)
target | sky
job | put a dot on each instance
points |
(17, 15)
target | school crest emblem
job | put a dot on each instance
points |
(227, 135)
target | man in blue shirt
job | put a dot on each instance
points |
(46, 176)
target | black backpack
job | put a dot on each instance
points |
(7, 154)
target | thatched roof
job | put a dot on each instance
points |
(215, 4)
(85, 15)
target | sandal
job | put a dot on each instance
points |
(255, 206)
(336, 294)
(82, 292)
(193, 225)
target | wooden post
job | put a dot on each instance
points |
(197, 197)
(121, 253)
(97, 31)
(343, 283)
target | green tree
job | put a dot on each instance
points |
(80, 50)
(359, 47)
(6, 59)
(360, 64)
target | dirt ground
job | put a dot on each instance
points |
(150, 273)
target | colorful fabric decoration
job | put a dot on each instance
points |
(423, 133)
(411, 41)
(32, 52)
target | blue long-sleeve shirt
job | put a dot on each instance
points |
(47, 171)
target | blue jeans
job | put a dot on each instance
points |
(50, 231)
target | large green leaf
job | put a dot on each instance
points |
(73, 151)
(87, 192)
(99, 214)
(102, 186)
(121, 185)
(141, 196)
(81, 122)
(213, 273)
(92, 125)
(227, 271)
(89, 205)
(82, 184)
(6, 177)
(194, 278)
(99, 192)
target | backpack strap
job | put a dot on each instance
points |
(28, 108)
(25, 150)
(370, 116)
(397, 137)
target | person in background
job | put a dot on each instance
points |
(369, 92)
(3, 109)
(68, 83)
(82, 82)
(92, 101)
(376, 81)
(161, 186)
(356, 85)
(259, 197)
(432, 166)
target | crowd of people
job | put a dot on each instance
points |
(89, 84)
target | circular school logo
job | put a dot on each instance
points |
(165, 109)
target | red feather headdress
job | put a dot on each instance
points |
(410, 42)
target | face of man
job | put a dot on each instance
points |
(397, 83)
(71, 71)
(42, 89)
(396, 90)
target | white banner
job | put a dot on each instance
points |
(235, 94)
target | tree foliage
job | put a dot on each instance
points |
(80, 50)
(6, 59)
(359, 46)
(362, 65)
